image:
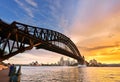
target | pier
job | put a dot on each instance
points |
(4, 75)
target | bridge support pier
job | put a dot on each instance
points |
(81, 61)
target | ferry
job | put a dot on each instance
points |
(79, 66)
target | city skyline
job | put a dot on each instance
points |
(92, 25)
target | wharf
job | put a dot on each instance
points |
(4, 75)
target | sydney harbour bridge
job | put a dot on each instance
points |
(17, 37)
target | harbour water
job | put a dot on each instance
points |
(69, 74)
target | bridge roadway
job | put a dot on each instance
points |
(17, 37)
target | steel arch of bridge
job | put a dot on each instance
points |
(17, 37)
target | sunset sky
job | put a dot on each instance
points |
(93, 25)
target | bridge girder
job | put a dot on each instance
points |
(24, 37)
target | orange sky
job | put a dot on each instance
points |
(93, 25)
(101, 39)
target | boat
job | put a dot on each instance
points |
(79, 66)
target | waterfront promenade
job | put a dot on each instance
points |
(4, 75)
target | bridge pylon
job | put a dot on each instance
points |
(81, 61)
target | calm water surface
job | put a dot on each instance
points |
(70, 74)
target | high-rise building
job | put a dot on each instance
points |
(61, 61)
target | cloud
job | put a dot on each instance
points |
(40, 55)
(96, 48)
(94, 18)
(25, 7)
(92, 25)
(32, 3)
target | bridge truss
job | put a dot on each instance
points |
(17, 37)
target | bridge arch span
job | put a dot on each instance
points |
(17, 37)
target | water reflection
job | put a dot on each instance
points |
(69, 74)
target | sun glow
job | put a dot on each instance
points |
(108, 55)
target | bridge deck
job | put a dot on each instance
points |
(4, 75)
